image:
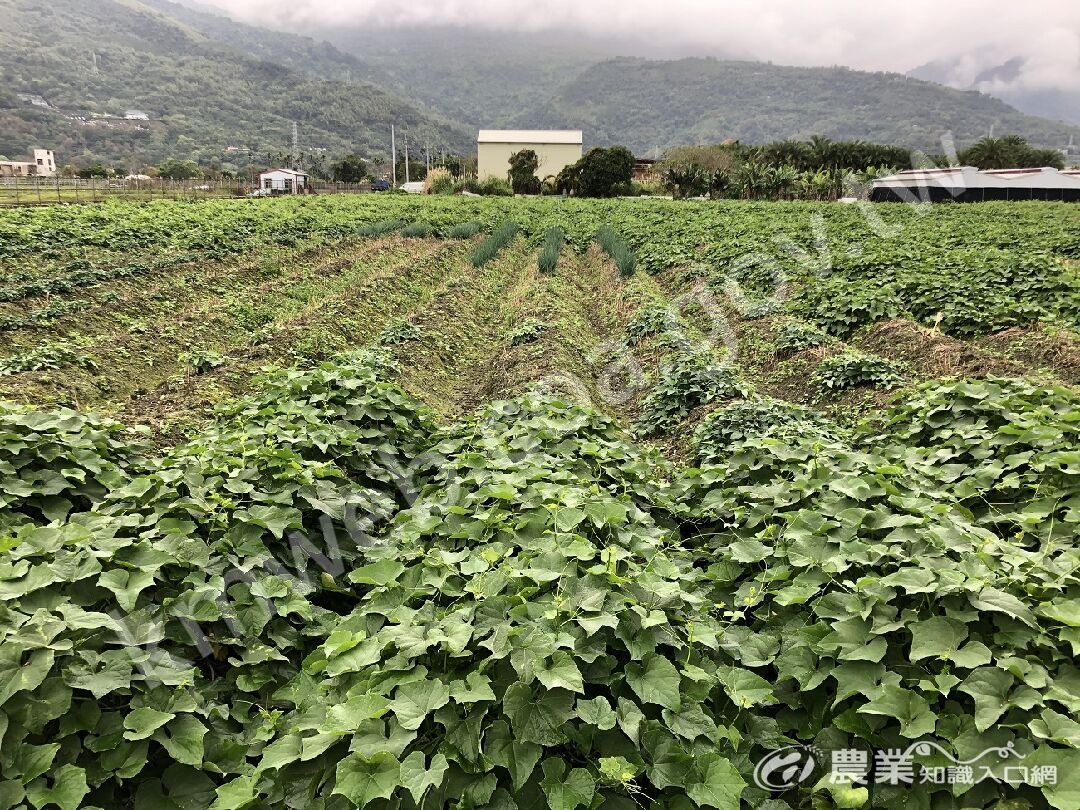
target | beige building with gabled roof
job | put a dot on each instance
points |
(556, 149)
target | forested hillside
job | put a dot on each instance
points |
(205, 88)
(646, 104)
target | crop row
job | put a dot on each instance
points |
(328, 598)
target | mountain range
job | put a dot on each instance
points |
(218, 91)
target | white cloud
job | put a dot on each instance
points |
(884, 35)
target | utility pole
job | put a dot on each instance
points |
(295, 145)
(393, 153)
(406, 156)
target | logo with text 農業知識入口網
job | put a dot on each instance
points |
(921, 763)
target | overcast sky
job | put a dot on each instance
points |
(867, 34)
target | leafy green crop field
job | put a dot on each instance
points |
(398, 502)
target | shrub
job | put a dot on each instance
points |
(688, 381)
(350, 169)
(853, 368)
(489, 187)
(490, 247)
(614, 245)
(398, 333)
(49, 355)
(794, 336)
(201, 361)
(496, 187)
(650, 321)
(685, 180)
(554, 238)
(527, 332)
(439, 181)
(726, 428)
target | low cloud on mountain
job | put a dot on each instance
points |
(967, 36)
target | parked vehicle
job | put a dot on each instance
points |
(380, 185)
(415, 187)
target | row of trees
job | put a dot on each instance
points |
(824, 155)
(756, 180)
(820, 169)
(815, 155)
(1009, 152)
(817, 169)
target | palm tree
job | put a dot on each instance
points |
(988, 153)
(821, 151)
(792, 152)
(685, 180)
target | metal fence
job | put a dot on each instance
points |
(17, 191)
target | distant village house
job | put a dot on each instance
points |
(283, 181)
(136, 115)
(43, 165)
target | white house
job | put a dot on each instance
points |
(283, 181)
(136, 115)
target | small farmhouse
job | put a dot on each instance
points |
(556, 150)
(43, 165)
(283, 181)
(644, 168)
(969, 184)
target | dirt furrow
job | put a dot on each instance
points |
(350, 317)
(449, 364)
(113, 365)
